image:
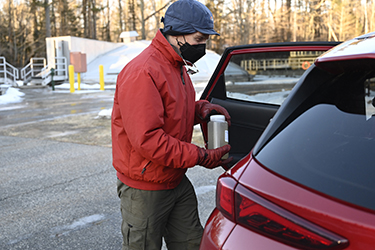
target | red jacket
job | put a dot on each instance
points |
(153, 119)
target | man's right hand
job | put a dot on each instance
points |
(211, 158)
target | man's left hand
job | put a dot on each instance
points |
(204, 109)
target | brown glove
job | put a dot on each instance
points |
(211, 158)
(204, 109)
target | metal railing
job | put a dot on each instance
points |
(277, 63)
(60, 72)
(34, 67)
(35, 70)
(8, 73)
(61, 67)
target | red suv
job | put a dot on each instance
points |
(303, 140)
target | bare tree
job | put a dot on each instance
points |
(85, 15)
(132, 15)
(26, 23)
(94, 11)
(217, 8)
(47, 17)
(142, 10)
(121, 22)
(11, 36)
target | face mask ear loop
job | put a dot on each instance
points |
(180, 43)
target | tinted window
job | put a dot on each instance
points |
(266, 77)
(327, 141)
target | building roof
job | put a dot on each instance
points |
(126, 34)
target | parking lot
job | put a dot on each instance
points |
(58, 186)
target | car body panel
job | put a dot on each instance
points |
(343, 57)
(244, 239)
(221, 233)
(217, 230)
(359, 47)
(323, 211)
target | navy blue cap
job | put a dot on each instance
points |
(188, 16)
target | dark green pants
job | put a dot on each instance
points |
(147, 216)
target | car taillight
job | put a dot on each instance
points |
(225, 196)
(258, 214)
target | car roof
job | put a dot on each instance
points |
(354, 54)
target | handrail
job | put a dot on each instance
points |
(277, 63)
(61, 69)
(61, 66)
(24, 74)
(33, 67)
(13, 72)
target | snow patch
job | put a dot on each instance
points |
(84, 87)
(12, 95)
(104, 114)
(272, 98)
(76, 225)
(205, 189)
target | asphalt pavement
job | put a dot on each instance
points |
(57, 183)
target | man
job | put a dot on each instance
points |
(153, 116)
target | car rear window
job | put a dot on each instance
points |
(324, 138)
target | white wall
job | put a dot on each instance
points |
(92, 48)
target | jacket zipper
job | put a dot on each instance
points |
(144, 168)
(182, 76)
(187, 100)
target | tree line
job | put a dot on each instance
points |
(25, 24)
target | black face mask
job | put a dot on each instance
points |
(192, 53)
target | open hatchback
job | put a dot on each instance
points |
(303, 142)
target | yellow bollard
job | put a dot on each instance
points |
(101, 77)
(71, 78)
(79, 81)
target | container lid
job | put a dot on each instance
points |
(217, 118)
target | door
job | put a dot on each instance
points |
(252, 81)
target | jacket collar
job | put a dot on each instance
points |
(161, 43)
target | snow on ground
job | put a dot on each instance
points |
(12, 95)
(261, 79)
(272, 98)
(76, 225)
(84, 86)
(113, 62)
(105, 114)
